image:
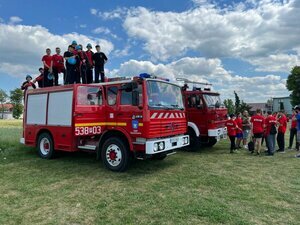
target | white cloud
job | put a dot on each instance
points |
(104, 30)
(93, 11)
(14, 20)
(276, 63)
(122, 52)
(22, 47)
(247, 30)
(250, 89)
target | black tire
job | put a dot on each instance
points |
(194, 141)
(45, 146)
(159, 156)
(115, 151)
(211, 142)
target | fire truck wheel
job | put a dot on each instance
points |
(211, 142)
(45, 146)
(194, 141)
(115, 155)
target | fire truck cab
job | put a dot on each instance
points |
(206, 114)
(141, 117)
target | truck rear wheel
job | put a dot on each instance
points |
(115, 155)
(211, 142)
(45, 146)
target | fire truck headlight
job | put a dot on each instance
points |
(155, 146)
(161, 145)
(185, 140)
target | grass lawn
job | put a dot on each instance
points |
(210, 186)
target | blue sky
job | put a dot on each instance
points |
(248, 46)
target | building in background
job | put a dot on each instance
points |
(283, 103)
(265, 107)
(6, 111)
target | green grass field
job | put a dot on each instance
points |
(210, 186)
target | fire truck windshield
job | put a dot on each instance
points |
(213, 100)
(164, 95)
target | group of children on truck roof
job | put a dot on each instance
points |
(261, 127)
(76, 65)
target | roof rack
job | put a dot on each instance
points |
(186, 81)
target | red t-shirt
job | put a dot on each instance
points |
(89, 55)
(282, 124)
(270, 120)
(231, 127)
(294, 122)
(258, 122)
(47, 59)
(239, 123)
(58, 62)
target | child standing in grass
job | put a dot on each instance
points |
(231, 129)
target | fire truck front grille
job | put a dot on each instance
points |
(167, 128)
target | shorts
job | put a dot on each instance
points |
(239, 135)
(258, 135)
(246, 134)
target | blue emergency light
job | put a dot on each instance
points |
(145, 75)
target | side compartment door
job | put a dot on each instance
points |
(89, 115)
(195, 112)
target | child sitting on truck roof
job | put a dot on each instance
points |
(28, 84)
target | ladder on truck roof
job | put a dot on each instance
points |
(187, 81)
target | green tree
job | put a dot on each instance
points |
(16, 97)
(3, 99)
(244, 106)
(229, 105)
(293, 85)
(237, 103)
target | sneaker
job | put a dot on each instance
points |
(245, 147)
(297, 156)
(281, 151)
(270, 154)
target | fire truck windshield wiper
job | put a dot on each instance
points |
(162, 106)
(177, 106)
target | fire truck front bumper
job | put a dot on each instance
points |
(219, 133)
(166, 144)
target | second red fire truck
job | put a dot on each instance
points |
(142, 117)
(206, 114)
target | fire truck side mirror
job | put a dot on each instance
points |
(135, 98)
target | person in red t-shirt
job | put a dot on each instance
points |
(282, 124)
(258, 122)
(293, 130)
(231, 129)
(89, 70)
(58, 66)
(47, 61)
(239, 132)
(270, 133)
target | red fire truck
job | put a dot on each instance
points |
(142, 117)
(206, 114)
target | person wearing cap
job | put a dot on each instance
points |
(40, 78)
(28, 84)
(232, 128)
(83, 63)
(257, 129)
(47, 61)
(99, 59)
(70, 67)
(89, 70)
(58, 65)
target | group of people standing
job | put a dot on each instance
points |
(76, 65)
(261, 127)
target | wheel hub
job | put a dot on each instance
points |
(113, 155)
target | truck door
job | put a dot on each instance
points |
(89, 115)
(130, 112)
(195, 108)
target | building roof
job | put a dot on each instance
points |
(7, 106)
(255, 106)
